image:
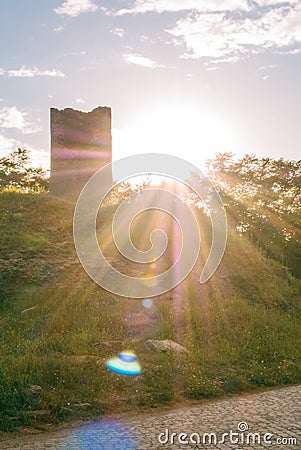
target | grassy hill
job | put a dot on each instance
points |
(241, 329)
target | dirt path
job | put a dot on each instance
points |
(265, 420)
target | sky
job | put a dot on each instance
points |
(186, 77)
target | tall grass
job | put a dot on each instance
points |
(242, 329)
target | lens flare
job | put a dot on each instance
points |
(147, 303)
(155, 200)
(125, 364)
(101, 434)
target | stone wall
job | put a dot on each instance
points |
(81, 143)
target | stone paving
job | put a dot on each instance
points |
(265, 420)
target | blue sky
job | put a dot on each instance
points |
(186, 77)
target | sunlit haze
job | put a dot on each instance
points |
(178, 130)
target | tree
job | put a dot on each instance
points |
(263, 200)
(17, 174)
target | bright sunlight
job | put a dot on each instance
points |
(186, 132)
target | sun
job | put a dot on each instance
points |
(184, 131)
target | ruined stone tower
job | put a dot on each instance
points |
(81, 143)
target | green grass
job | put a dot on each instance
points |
(242, 329)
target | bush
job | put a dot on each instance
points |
(17, 174)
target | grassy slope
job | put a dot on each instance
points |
(242, 328)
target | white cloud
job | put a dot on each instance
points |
(160, 6)
(2, 71)
(276, 2)
(219, 35)
(211, 35)
(294, 51)
(133, 58)
(80, 53)
(80, 100)
(74, 8)
(38, 157)
(11, 117)
(75, 53)
(229, 59)
(269, 66)
(7, 145)
(118, 32)
(25, 72)
(58, 29)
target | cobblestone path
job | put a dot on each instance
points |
(265, 420)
